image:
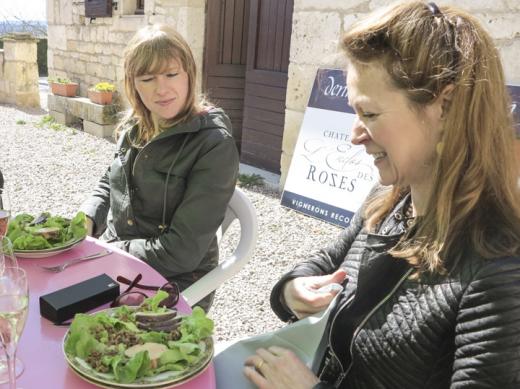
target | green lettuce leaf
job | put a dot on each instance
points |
(196, 326)
(77, 228)
(136, 366)
(80, 342)
(152, 303)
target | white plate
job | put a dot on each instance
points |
(43, 253)
(117, 386)
(161, 380)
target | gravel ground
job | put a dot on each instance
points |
(55, 169)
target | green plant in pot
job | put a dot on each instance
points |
(62, 86)
(102, 93)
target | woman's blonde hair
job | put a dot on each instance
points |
(475, 203)
(149, 52)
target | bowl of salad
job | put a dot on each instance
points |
(45, 235)
(139, 347)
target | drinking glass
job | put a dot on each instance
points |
(5, 209)
(7, 257)
(14, 304)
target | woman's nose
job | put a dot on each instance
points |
(160, 86)
(359, 132)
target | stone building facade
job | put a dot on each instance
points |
(90, 50)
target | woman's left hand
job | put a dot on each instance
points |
(278, 368)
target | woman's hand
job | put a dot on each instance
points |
(302, 296)
(89, 225)
(278, 368)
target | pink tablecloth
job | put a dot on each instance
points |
(40, 347)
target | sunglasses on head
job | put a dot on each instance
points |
(134, 297)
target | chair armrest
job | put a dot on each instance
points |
(242, 208)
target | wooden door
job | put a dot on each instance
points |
(269, 38)
(225, 58)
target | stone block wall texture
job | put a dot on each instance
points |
(318, 26)
(90, 50)
(19, 72)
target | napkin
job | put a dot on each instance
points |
(302, 337)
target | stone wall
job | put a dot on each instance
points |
(90, 50)
(318, 26)
(19, 71)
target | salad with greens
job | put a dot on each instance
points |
(27, 232)
(116, 345)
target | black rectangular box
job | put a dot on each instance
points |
(64, 303)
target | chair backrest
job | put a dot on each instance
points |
(241, 208)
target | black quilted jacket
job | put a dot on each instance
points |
(390, 331)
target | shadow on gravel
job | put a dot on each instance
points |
(263, 191)
(28, 110)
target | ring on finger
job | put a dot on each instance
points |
(260, 364)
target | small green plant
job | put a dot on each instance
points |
(48, 121)
(21, 122)
(59, 80)
(57, 126)
(104, 87)
(250, 180)
(44, 121)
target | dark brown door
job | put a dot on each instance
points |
(225, 57)
(266, 82)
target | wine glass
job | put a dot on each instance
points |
(14, 305)
(5, 207)
(7, 257)
(7, 260)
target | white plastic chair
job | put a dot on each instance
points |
(241, 208)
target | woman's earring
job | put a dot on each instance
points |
(439, 147)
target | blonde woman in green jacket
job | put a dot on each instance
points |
(165, 194)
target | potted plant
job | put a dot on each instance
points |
(62, 86)
(101, 93)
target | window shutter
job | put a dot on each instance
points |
(98, 8)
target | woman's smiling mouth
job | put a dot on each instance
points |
(164, 103)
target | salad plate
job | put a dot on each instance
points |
(45, 235)
(179, 373)
(43, 253)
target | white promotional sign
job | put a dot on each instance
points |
(329, 177)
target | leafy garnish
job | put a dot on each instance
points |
(151, 304)
(196, 326)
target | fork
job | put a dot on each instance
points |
(64, 265)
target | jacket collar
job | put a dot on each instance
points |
(211, 118)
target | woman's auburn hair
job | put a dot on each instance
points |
(474, 205)
(150, 52)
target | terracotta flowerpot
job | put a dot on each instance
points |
(67, 90)
(103, 98)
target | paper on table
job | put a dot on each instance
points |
(302, 337)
